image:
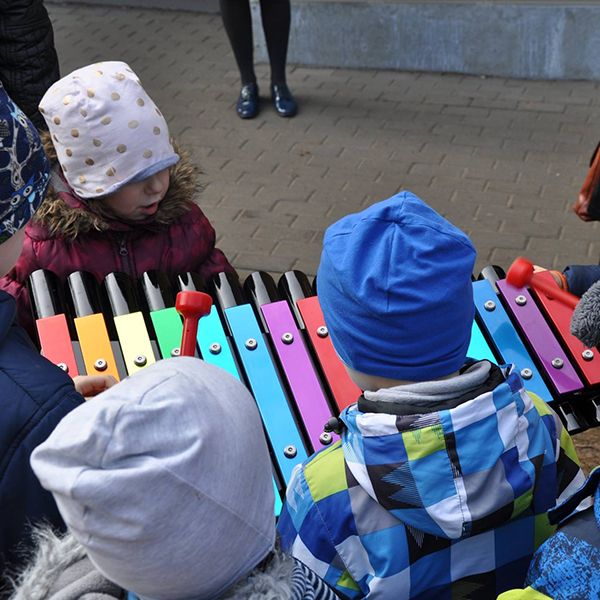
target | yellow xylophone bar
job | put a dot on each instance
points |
(129, 322)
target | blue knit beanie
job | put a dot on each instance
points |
(24, 168)
(394, 284)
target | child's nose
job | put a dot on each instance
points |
(153, 184)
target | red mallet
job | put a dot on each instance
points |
(521, 274)
(191, 306)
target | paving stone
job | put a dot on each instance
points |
(483, 151)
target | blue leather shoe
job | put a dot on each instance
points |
(247, 106)
(283, 101)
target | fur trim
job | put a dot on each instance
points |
(62, 220)
(273, 582)
(54, 554)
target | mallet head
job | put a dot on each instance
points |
(191, 304)
(520, 272)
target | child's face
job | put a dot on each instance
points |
(139, 201)
(10, 251)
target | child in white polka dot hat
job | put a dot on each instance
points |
(121, 197)
(106, 130)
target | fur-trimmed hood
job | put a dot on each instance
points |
(61, 569)
(64, 214)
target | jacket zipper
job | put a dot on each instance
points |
(126, 261)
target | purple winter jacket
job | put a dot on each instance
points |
(66, 236)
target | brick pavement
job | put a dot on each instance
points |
(502, 158)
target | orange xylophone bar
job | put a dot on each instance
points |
(101, 355)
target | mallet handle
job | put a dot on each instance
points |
(191, 306)
(553, 291)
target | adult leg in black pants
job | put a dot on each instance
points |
(276, 25)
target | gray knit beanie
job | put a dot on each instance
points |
(166, 481)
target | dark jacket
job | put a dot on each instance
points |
(34, 397)
(66, 236)
(28, 61)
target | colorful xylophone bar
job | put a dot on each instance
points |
(53, 331)
(100, 354)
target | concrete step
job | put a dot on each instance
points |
(533, 39)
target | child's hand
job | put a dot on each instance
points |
(91, 385)
(581, 207)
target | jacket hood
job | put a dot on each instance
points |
(8, 312)
(453, 472)
(61, 570)
(64, 214)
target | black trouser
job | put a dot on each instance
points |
(276, 25)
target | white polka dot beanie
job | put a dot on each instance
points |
(106, 130)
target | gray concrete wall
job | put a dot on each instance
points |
(533, 39)
(538, 40)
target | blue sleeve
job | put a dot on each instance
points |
(581, 277)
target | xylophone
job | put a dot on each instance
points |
(271, 337)
(274, 339)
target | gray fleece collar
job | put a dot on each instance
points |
(427, 396)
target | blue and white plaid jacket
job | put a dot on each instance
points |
(445, 505)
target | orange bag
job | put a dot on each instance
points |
(587, 205)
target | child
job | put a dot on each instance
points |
(586, 207)
(446, 467)
(166, 485)
(121, 198)
(35, 394)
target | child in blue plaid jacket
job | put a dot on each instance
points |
(446, 467)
